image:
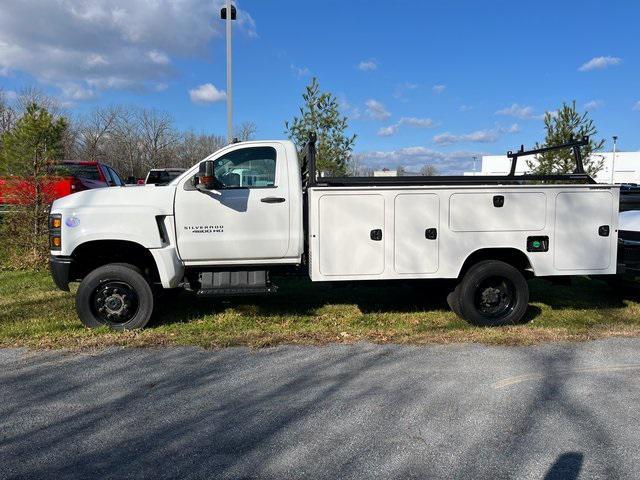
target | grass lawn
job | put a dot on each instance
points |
(34, 314)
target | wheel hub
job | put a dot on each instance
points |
(491, 296)
(115, 302)
(495, 297)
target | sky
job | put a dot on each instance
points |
(422, 82)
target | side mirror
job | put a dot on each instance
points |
(205, 181)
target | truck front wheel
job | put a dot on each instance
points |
(115, 295)
(493, 293)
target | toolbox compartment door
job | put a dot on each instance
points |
(579, 242)
(416, 233)
(351, 234)
(497, 211)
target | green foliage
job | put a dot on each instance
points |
(321, 114)
(32, 145)
(35, 142)
(566, 125)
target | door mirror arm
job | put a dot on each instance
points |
(201, 187)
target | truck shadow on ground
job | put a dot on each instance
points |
(299, 297)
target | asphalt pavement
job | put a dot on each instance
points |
(337, 412)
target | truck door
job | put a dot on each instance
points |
(247, 218)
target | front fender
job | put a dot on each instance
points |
(133, 224)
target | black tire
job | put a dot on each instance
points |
(453, 300)
(493, 293)
(115, 295)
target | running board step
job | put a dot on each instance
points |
(236, 292)
(242, 282)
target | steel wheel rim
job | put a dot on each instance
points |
(114, 302)
(495, 297)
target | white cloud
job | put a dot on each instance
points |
(349, 110)
(479, 136)
(465, 108)
(376, 110)
(438, 89)
(636, 107)
(159, 58)
(207, 93)
(415, 157)
(367, 65)
(410, 121)
(108, 44)
(593, 104)
(598, 63)
(417, 122)
(10, 95)
(519, 111)
(388, 131)
(73, 92)
(246, 23)
(300, 71)
(402, 88)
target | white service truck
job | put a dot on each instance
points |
(255, 209)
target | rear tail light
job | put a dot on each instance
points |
(55, 231)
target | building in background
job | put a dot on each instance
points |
(385, 172)
(627, 167)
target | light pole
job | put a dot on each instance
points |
(613, 160)
(474, 164)
(229, 19)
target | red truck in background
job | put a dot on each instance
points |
(63, 179)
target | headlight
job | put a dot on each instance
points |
(55, 231)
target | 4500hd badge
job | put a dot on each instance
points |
(204, 228)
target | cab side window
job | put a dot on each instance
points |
(253, 167)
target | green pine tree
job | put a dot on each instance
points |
(33, 144)
(321, 114)
(567, 125)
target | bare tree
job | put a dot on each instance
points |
(428, 171)
(246, 131)
(7, 114)
(34, 96)
(157, 137)
(95, 131)
(195, 147)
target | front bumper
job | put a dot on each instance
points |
(60, 268)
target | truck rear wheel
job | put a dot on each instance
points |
(493, 293)
(115, 295)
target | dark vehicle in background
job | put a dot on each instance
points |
(163, 176)
(62, 179)
(629, 197)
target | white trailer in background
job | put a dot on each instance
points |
(231, 223)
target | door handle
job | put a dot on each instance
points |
(273, 200)
(431, 234)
